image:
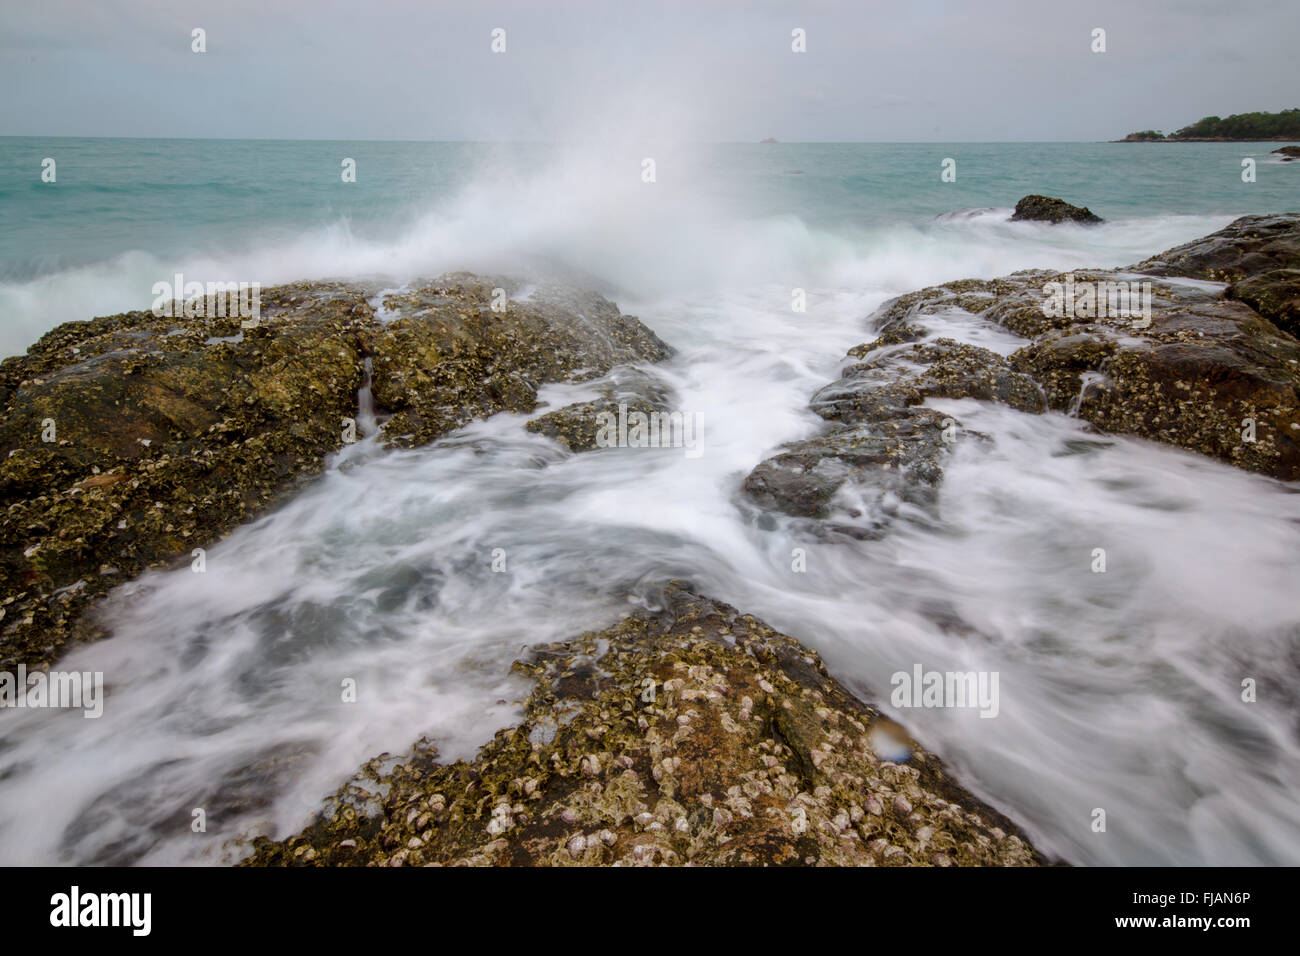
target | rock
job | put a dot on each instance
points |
(1049, 209)
(875, 468)
(448, 357)
(1289, 153)
(1190, 375)
(891, 453)
(168, 432)
(784, 783)
(1274, 295)
(1170, 361)
(1247, 247)
(1258, 255)
(949, 369)
(577, 426)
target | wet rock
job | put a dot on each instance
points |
(868, 470)
(1247, 247)
(1201, 371)
(1059, 362)
(945, 369)
(1274, 294)
(164, 433)
(448, 357)
(1050, 209)
(1172, 361)
(624, 391)
(891, 453)
(1289, 153)
(718, 741)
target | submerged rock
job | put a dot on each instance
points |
(868, 471)
(1050, 209)
(691, 735)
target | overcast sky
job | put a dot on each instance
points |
(911, 70)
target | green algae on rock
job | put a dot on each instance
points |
(449, 356)
(688, 735)
(130, 440)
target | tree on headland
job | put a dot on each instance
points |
(1243, 126)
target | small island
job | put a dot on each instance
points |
(1240, 127)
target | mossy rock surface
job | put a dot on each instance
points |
(164, 433)
(458, 348)
(691, 734)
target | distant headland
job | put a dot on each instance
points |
(1240, 127)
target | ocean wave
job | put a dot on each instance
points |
(586, 211)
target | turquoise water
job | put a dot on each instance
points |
(165, 197)
(126, 213)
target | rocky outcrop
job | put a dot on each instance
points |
(128, 441)
(449, 356)
(1138, 354)
(1050, 209)
(1289, 153)
(690, 735)
(1249, 246)
(1274, 295)
(1258, 255)
(886, 450)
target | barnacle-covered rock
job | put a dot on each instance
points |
(691, 734)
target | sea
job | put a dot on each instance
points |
(1119, 691)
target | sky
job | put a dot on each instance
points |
(911, 71)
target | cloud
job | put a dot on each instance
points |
(708, 70)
